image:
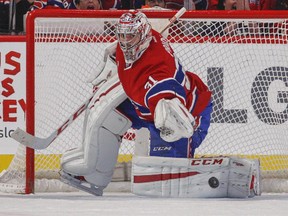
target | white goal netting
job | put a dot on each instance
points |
(244, 62)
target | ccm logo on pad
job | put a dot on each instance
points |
(208, 161)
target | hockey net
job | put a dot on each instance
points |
(242, 57)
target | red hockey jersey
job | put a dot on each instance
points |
(158, 74)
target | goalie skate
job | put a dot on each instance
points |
(80, 183)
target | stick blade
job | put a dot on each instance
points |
(26, 139)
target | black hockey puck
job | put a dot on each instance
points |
(213, 182)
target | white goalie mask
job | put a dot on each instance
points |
(133, 32)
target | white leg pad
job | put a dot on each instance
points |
(95, 155)
(203, 178)
(96, 158)
(71, 155)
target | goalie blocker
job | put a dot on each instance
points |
(217, 177)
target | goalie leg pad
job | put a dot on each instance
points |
(103, 129)
(75, 153)
(204, 178)
(72, 154)
(105, 160)
(107, 150)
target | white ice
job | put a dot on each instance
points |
(83, 204)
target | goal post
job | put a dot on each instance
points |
(241, 55)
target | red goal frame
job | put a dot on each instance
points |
(30, 49)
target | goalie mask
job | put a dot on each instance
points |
(134, 34)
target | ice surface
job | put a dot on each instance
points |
(83, 204)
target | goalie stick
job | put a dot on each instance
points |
(173, 19)
(41, 143)
(34, 142)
